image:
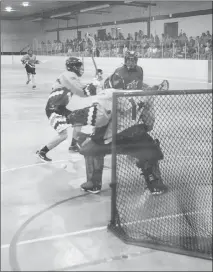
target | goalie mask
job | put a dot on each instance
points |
(75, 65)
(130, 59)
(114, 81)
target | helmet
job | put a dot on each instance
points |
(30, 51)
(114, 81)
(130, 59)
(74, 65)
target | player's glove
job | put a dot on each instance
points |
(82, 116)
(37, 62)
(90, 89)
(99, 74)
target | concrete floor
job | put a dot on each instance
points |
(42, 227)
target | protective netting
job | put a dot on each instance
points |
(181, 219)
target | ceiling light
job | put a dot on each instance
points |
(60, 15)
(95, 8)
(25, 4)
(8, 9)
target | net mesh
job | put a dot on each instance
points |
(181, 219)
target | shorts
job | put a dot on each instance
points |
(30, 70)
(57, 120)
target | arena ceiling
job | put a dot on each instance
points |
(38, 10)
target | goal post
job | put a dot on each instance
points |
(179, 220)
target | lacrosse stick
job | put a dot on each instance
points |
(89, 37)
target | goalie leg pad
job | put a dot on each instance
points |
(136, 142)
(90, 148)
(94, 168)
(148, 152)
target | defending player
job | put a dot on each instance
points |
(29, 60)
(131, 73)
(99, 145)
(98, 84)
(67, 84)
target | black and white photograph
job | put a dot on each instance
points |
(106, 135)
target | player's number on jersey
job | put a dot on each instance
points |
(134, 108)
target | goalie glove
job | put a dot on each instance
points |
(24, 62)
(164, 86)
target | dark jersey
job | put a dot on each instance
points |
(133, 79)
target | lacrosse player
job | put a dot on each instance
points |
(67, 84)
(29, 61)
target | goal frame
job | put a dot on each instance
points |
(112, 224)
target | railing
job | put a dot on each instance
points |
(115, 48)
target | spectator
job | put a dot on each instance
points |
(173, 47)
(124, 49)
(157, 40)
(97, 52)
(109, 37)
(191, 42)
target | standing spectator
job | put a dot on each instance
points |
(157, 40)
(140, 35)
(124, 50)
(109, 37)
(191, 42)
(202, 51)
(209, 36)
(97, 52)
(197, 42)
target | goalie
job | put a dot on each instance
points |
(133, 141)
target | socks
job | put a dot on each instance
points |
(33, 80)
(45, 149)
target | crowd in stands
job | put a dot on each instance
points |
(181, 46)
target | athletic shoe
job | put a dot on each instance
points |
(90, 187)
(156, 186)
(28, 81)
(43, 156)
(34, 86)
(74, 148)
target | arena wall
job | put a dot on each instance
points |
(15, 35)
(194, 70)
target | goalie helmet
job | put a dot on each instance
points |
(114, 81)
(130, 59)
(75, 65)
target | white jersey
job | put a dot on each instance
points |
(70, 81)
(30, 60)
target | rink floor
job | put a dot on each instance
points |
(47, 223)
